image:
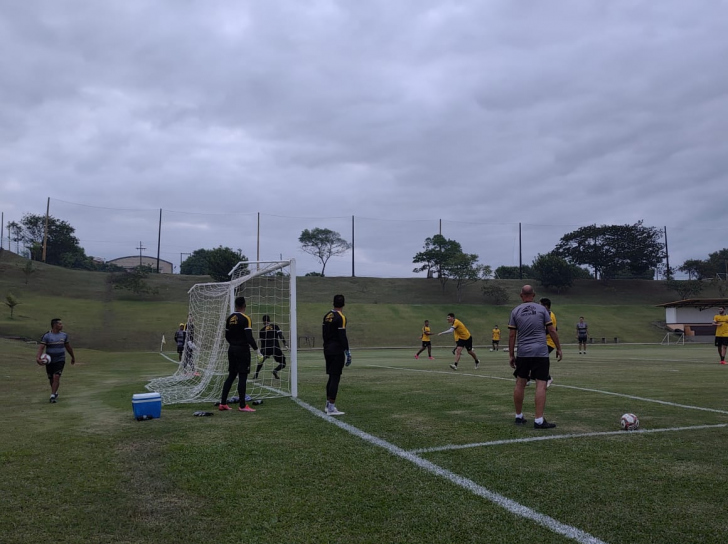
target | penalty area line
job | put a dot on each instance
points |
(510, 505)
(562, 386)
(563, 436)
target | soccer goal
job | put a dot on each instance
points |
(269, 289)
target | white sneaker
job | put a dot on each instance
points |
(331, 410)
(454, 366)
(548, 383)
(528, 382)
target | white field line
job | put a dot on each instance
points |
(168, 358)
(511, 506)
(561, 436)
(643, 399)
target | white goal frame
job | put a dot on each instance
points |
(269, 287)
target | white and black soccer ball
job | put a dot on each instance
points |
(45, 358)
(629, 422)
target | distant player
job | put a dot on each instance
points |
(495, 338)
(426, 343)
(463, 339)
(239, 335)
(55, 343)
(271, 337)
(546, 303)
(336, 352)
(721, 333)
(179, 337)
(582, 333)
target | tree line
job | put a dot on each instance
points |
(602, 252)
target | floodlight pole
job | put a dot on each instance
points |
(667, 256)
(352, 247)
(45, 232)
(159, 238)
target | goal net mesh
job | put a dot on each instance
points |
(269, 289)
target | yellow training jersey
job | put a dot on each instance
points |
(426, 332)
(549, 340)
(722, 328)
(460, 332)
(496, 335)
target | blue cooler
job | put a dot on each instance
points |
(147, 404)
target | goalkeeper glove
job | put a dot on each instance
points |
(260, 357)
(348, 357)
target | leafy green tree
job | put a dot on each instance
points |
(513, 272)
(553, 272)
(495, 293)
(221, 260)
(718, 262)
(612, 250)
(132, 280)
(29, 270)
(323, 244)
(464, 270)
(438, 252)
(195, 264)
(696, 269)
(15, 233)
(61, 239)
(216, 263)
(11, 302)
(685, 288)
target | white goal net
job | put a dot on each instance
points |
(269, 289)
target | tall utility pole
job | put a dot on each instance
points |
(45, 233)
(140, 248)
(352, 247)
(668, 272)
(159, 238)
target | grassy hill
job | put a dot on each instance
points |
(381, 311)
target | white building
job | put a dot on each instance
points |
(693, 316)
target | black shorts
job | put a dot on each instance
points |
(54, 368)
(467, 344)
(180, 348)
(426, 343)
(335, 362)
(535, 368)
(239, 359)
(721, 341)
(582, 339)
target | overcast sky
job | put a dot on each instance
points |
(482, 115)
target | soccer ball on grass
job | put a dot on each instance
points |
(630, 422)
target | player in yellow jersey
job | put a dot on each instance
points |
(463, 338)
(546, 303)
(721, 333)
(495, 338)
(426, 343)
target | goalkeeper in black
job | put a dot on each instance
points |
(270, 337)
(336, 352)
(239, 335)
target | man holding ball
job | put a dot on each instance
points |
(55, 343)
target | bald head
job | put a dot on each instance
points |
(527, 293)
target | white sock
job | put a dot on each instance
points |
(519, 416)
(538, 420)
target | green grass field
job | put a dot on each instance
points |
(423, 454)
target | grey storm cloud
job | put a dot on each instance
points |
(480, 114)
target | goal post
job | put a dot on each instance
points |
(269, 288)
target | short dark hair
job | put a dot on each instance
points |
(54, 321)
(546, 302)
(338, 301)
(451, 314)
(239, 302)
(266, 318)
